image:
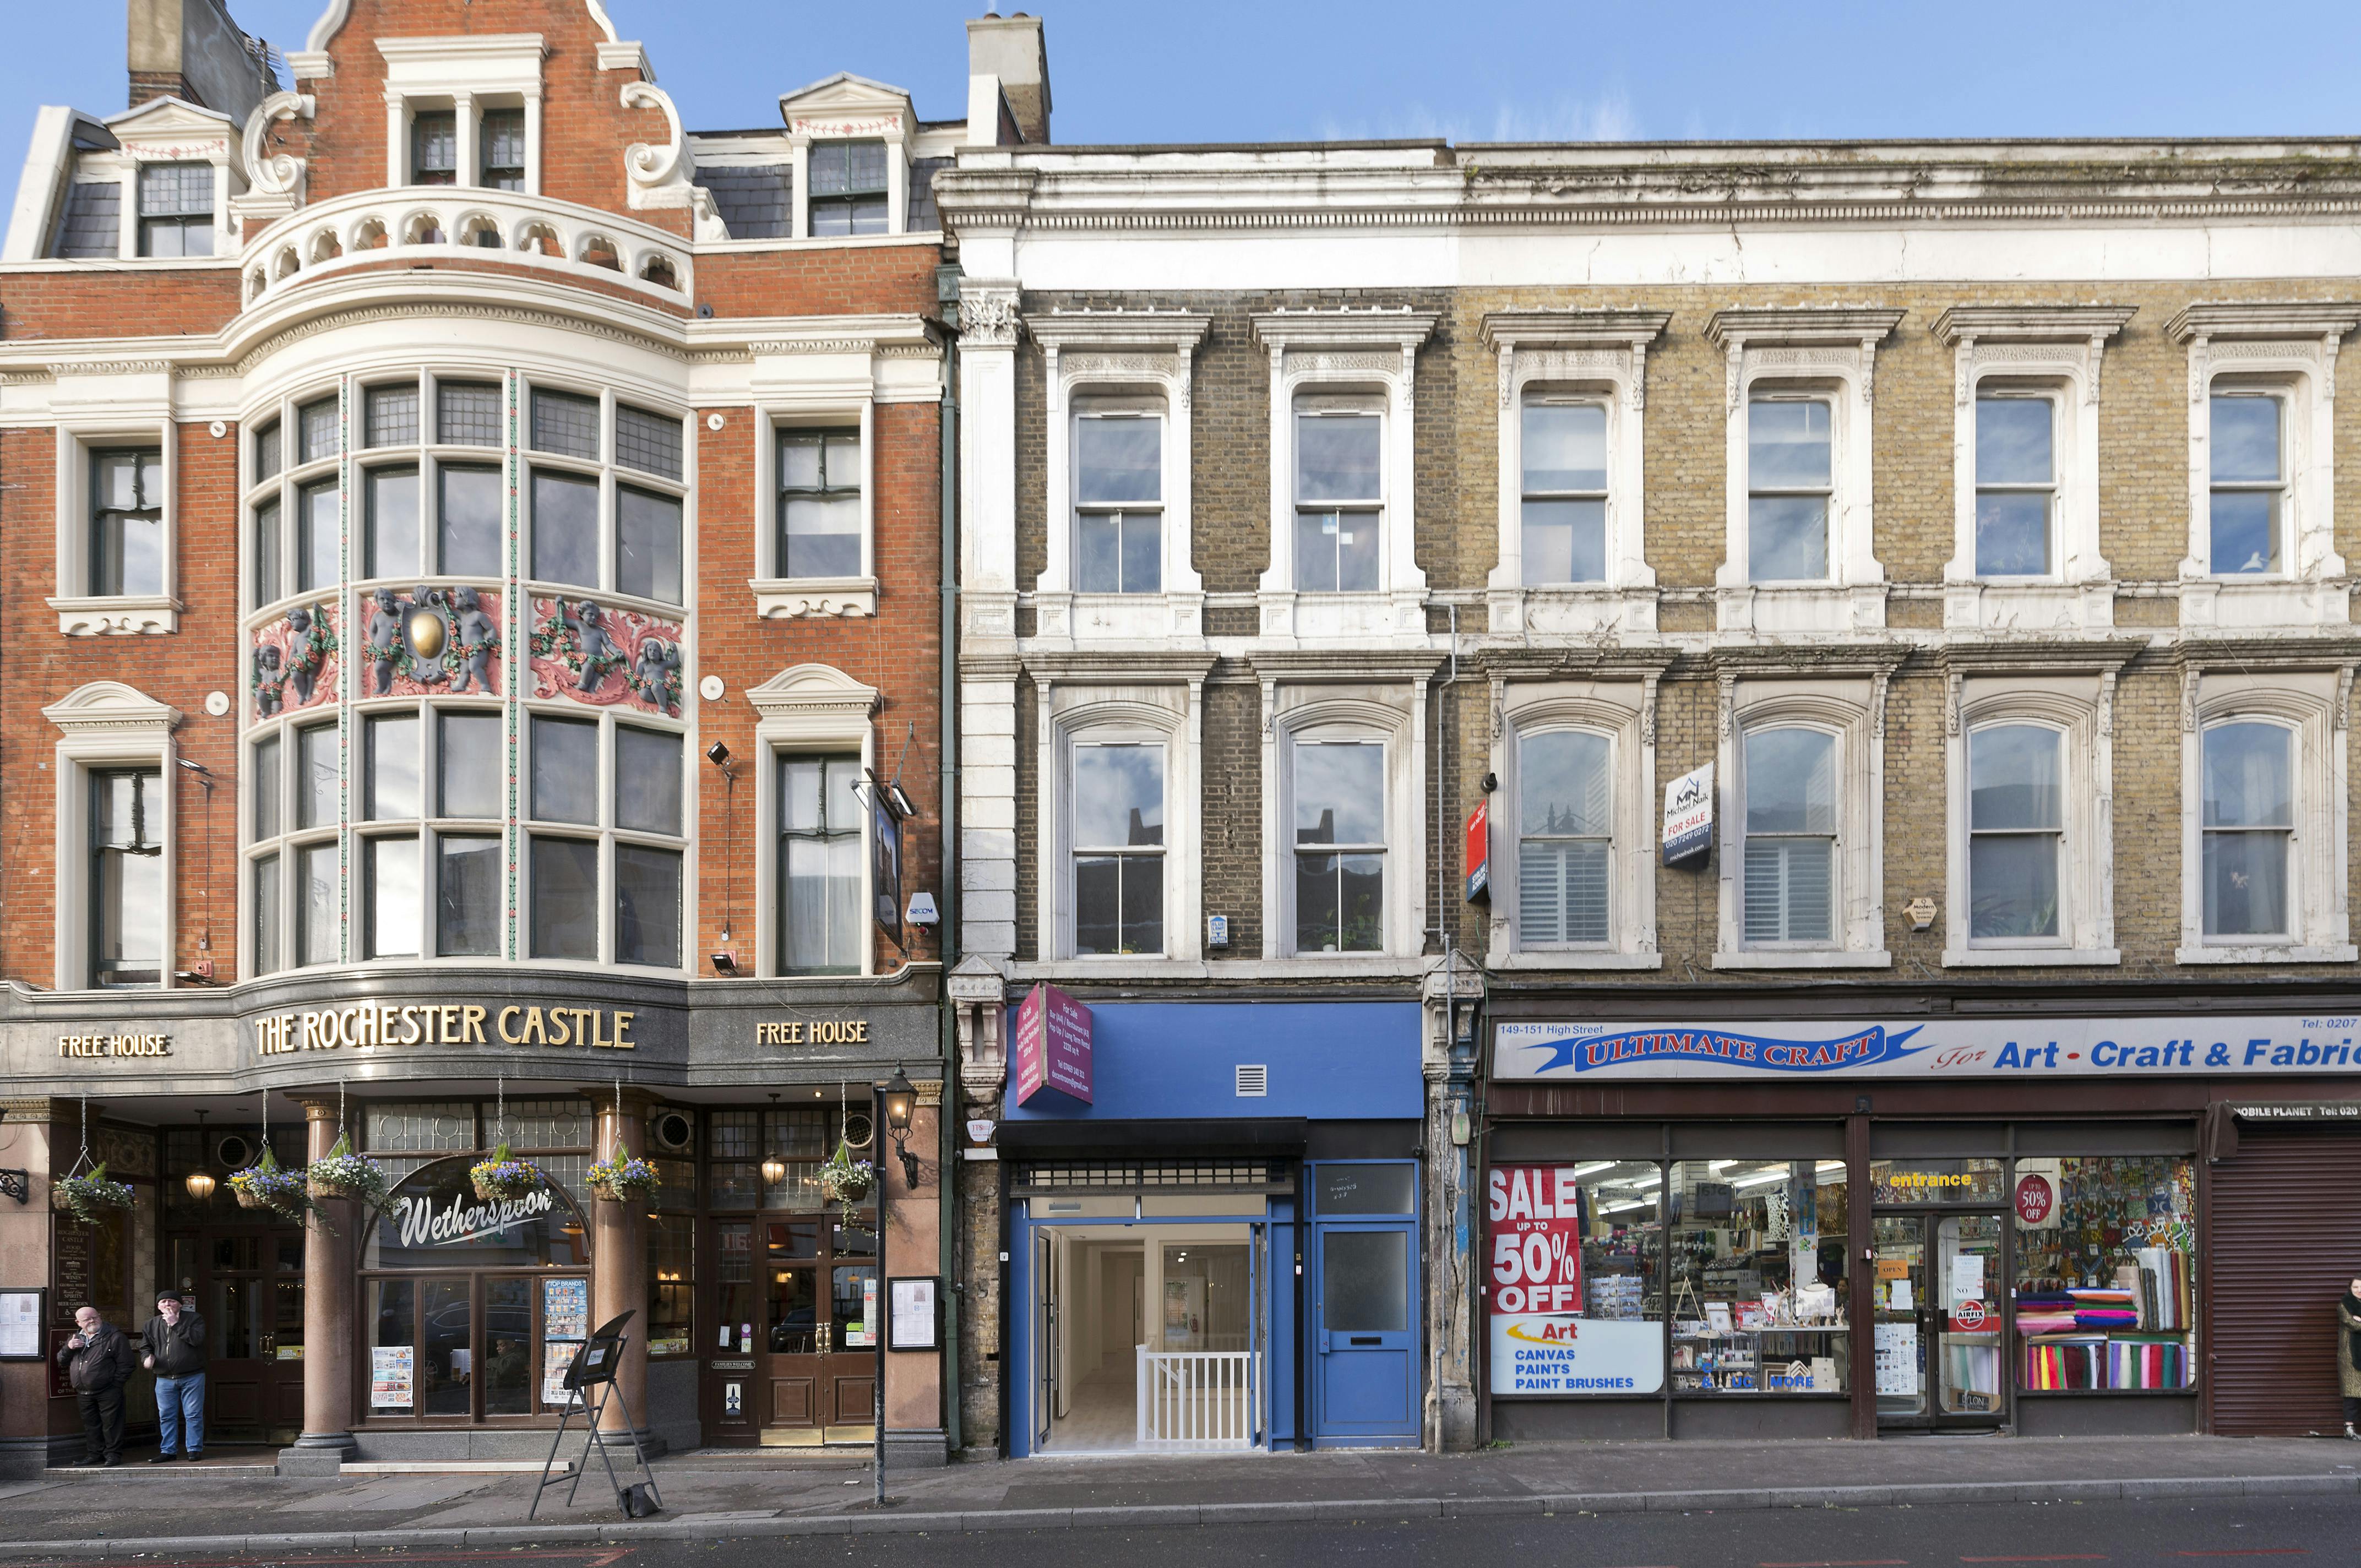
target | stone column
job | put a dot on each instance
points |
(331, 1281)
(26, 1418)
(619, 1262)
(1447, 1065)
(978, 997)
(912, 1243)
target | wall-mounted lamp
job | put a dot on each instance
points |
(774, 1169)
(900, 1098)
(718, 755)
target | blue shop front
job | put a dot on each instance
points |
(1219, 1250)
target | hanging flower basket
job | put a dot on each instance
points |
(344, 1173)
(622, 1177)
(844, 1179)
(91, 1198)
(504, 1177)
(266, 1184)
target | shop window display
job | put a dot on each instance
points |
(2106, 1293)
(1575, 1287)
(1758, 1292)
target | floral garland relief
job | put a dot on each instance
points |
(295, 660)
(428, 642)
(602, 656)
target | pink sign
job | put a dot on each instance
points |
(1053, 1046)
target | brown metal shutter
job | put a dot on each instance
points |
(2285, 1245)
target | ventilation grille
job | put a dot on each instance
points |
(1254, 1083)
(1117, 1176)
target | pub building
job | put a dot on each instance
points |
(1916, 1214)
(485, 688)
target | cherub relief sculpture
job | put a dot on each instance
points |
(603, 657)
(476, 637)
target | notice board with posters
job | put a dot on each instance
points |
(1543, 1340)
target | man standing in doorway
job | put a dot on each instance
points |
(97, 1359)
(174, 1350)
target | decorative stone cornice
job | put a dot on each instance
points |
(804, 691)
(987, 313)
(1510, 330)
(1362, 664)
(111, 708)
(2031, 324)
(2265, 319)
(1174, 330)
(2036, 655)
(1797, 325)
(1403, 328)
(1134, 666)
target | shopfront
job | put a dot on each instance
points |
(1218, 1249)
(2054, 1226)
(439, 1324)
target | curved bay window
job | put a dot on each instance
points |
(472, 1310)
(794, 1296)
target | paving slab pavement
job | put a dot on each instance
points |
(718, 1495)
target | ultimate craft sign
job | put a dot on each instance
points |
(2015, 1047)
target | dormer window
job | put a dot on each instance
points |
(434, 148)
(503, 149)
(849, 188)
(176, 209)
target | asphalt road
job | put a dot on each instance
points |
(2307, 1532)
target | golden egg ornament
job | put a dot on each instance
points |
(425, 633)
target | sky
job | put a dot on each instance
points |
(1142, 70)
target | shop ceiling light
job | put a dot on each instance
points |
(1760, 1178)
(1595, 1166)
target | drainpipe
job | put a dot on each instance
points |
(947, 1117)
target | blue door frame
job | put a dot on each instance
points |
(1363, 1318)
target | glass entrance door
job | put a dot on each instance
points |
(1939, 1287)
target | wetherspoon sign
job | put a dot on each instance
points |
(1052, 1047)
(2015, 1047)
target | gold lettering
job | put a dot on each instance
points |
(447, 1020)
(860, 1030)
(559, 1034)
(623, 1030)
(410, 1029)
(508, 1038)
(534, 1029)
(475, 1030)
(311, 1032)
(598, 1028)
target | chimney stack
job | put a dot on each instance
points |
(1008, 81)
(190, 49)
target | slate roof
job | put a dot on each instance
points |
(92, 228)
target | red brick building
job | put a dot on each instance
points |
(474, 563)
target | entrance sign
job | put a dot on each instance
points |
(1053, 1046)
(2015, 1047)
(1689, 817)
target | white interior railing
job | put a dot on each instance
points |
(1198, 1401)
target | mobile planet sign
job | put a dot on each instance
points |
(1949, 1047)
(1541, 1341)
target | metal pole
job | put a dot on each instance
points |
(877, 1319)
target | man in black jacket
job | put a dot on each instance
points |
(172, 1346)
(97, 1360)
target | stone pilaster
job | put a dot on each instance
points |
(1453, 996)
(978, 998)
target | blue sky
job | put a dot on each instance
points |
(1221, 70)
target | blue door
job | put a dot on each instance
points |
(1366, 1335)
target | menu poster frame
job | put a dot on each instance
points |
(565, 1308)
(914, 1316)
(14, 1309)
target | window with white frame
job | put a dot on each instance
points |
(605, 863)
(2016, 832)
(503, 150)
(1338, 794)
(1339, 494)
(1791, 819)
(1790, 485)
(127, 876)
(1562, 440)
(1116, 795)
(434, 148)
(1118, 501)
(2246, 480)
(2248, 829)
(821, 925)
(608, 495)
(127, 523)
(2016, 484)
(2264, 873)
(176, 209)
(849, 188)
(820, 474)
(1565, 838)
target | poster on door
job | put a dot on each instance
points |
(556, 1357)
(566, 1309)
